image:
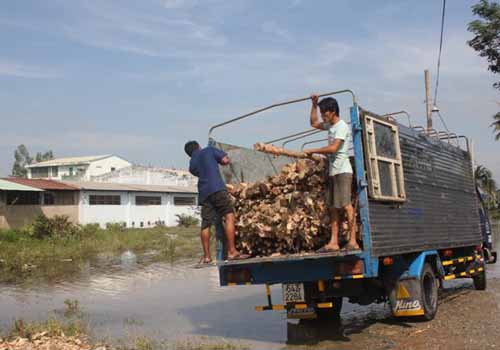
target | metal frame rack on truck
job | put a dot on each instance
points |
(419, 221)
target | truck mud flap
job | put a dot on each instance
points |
(406, 298)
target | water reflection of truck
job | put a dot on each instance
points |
(419, 222)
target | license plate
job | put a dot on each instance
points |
(305, 314)
(293, 293)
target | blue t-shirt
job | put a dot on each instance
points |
(204, 164)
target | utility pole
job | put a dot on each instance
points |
(428, 99)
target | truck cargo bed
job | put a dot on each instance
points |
(288, 257)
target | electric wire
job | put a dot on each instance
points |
(439, 65)
(440, 50)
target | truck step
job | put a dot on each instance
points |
(463, 274)
(460, 260)
(279, 307)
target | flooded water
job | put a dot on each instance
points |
(175, 302)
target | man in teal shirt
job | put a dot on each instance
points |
(340, 170)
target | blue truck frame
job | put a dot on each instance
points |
(397, 276)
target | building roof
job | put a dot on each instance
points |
(13, 186)
(43, 184)
(109, 186)
(69, 161)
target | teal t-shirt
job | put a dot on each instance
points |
(339, 161)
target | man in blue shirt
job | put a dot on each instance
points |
(212, 196)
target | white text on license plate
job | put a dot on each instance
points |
(293, 292)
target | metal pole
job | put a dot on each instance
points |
(428, 99)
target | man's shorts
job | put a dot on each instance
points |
(339, 190)
(218, 203)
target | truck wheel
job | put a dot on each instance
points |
(332, 313)
(480, 280)
(429, 285)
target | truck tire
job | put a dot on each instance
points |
(480, 280)
(429, 285)
(332, 313)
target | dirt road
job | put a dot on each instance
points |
(467, 319)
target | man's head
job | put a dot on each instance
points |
(190, 147)
(329, 109)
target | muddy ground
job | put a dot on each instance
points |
(467, 319)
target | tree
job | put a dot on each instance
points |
(41, 157)
(487, 42)
(485, 181)
(487, 34)
(22, 158)
(496, 125)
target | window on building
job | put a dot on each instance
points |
(185, 201)
(383, 159)
(42, 172)
(23, 198)
(55, 171)
(113, 169)
(104, 200)
(48, 198)
(147, 200)
(70, 171)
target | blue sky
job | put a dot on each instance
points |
(139, 78)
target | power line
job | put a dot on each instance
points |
(442, 121)
(440, 49)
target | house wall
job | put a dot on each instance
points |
(16, 216)
(84, 172)
(178, 210)
(130, 213)
(141, 175)
(104, 166)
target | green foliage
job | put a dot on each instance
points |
(116, 226)
(496, 126)
(11, 235)
(487, 42)
(184, 220)
(26, 259)
(22, 158)
(57, 226)
(487, 33)
(42, 157)
(485, 181)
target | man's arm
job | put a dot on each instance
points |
(332, 148)
(314, 120)
(193, 170)
(221, 157)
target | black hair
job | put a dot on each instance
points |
(329, 104)
(190, 147)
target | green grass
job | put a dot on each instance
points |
(23, 256)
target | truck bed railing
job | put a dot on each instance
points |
(247, 115)
(396, 114)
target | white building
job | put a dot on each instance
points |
(76, 168)
(134, 205)
(138, 174)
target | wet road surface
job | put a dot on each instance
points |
(175, 302)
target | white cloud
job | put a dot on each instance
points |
(21, 70)
(273, 28)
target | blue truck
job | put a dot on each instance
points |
(420, 222)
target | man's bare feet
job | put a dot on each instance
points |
(328, 248)
(351, 246)
(237, 256)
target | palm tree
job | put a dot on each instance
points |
(496, 125)
(486, 183)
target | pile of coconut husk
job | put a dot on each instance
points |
(44, 341)
(285, 214)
